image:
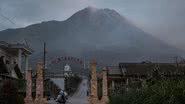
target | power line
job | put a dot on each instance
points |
(5, 17)
(2, 25)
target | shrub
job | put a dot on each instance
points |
(160, 92)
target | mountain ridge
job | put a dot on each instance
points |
(92, 32)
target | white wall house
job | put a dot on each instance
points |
(11, 58)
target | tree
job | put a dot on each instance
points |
(9, 93)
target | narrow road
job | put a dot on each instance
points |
(80, 97)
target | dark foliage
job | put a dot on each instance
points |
(3, 68)
(18, 72)
(9, 93)
(160, 92)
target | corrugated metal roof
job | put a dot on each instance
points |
(145, 68)
(114, 70)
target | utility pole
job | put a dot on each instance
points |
(44, 62)
(84, 64)
(44, 59)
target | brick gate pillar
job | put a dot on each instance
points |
(40, 86)
(94, 88)
(105, 98)
(28, 99)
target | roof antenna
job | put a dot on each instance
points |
(26, 42)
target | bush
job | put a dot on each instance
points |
(161, 92)
(9, 93)
(20, 99)
(116, 100)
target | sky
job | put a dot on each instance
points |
(164, 19)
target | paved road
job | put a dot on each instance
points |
(80, 97)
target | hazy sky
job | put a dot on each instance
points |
(162, 18)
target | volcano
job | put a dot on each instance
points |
(92, 33)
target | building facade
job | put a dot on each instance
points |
(11, 70)
(11, 58)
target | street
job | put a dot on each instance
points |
(80, 97)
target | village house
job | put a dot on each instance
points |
(11, 58)
(134, 75)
